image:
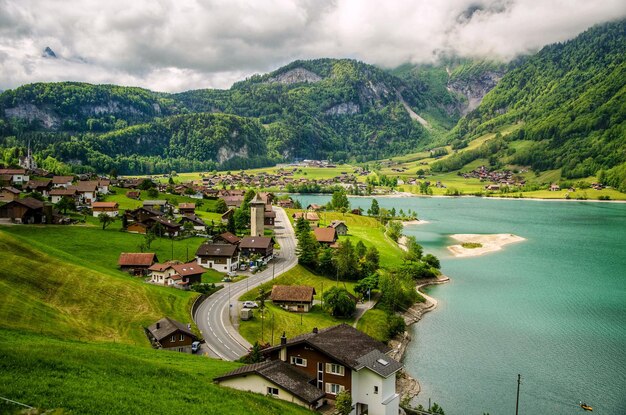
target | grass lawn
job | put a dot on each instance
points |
(54, 295)
(175, 200)
(281, 321)
(212, 275)
(117, 379)
(374, 324)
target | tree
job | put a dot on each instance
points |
(325, 261)
(338, 301)
(374, 210)
(255, 354)
(343, 403)
(152, 193)
(105, 220)
(231, 226)
(414, 250)
(360, 249)
(346, 262)
(146, 184)
(340, 200)
(220, 206)
(65, 204)
(302, 225)
(432, 260)
(366, 285)
(307, 249)
(371, 261)
(394, 229)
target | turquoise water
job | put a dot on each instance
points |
(552, 308)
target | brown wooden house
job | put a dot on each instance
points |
(27, 210)
(9, 194)
(227, 238)
(325, 236)
(221, 257)
(260, 245)
(136, 263)
(187, 208)
(297, 298)
(170, 334)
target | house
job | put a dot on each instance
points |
(269, 217)
(133, 194)
(227, 238)
(136, 263)
(257, 245)
(326, 236)
(169, 227)
(17, 176)
(342, 358)
(103, 186)
(173, 273)
(310, 217)
(8, 194)
(187, 208)
(314, 207)
(57, 194)
(555, 187)
(87, 191)
(492, 187)
(142, 214)
(286, 203)
(172, 335)
(227, 215)
(233, 201)
(27, 211)
(197, 223)
(277, 379)
(62, 181)
(110, 208)
(340, 227)
(138, 227)
(160, 205)
(39, 186)
(220, 257)
(297, 298)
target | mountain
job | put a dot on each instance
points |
(567, 102)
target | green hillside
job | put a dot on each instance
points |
(569, 101)
(96, 378)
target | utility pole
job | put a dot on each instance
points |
(519, 380)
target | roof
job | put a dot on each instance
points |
(269, 214)
(12, 171)
(33, 184)
(193, 219)
(62, 179)
(294, 293)
(336, 223)
(154, 202)
(256, 200)
(11, 190)
(283, 375)
(63, 192)
(230, 238)
(190, 268)
(160, 267)
(379, 363)
(96, 205)
(166, 222)
(325, 234)
(342, 342)
(29, 202)
(167, 326)
(136, 258)
(256, 242)
(86, 186)
(186, 205)
(311, 216)
(223, 250)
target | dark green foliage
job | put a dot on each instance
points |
(346, 261)
(374, 210)
(343, 404)
(307, 249)
(395, 325)
(65, 204)
(394, 229)
(571, 100)
(432, 260)
(397, 291)
(414, 250)
(366, 285)
(339, 303)
(339, 201)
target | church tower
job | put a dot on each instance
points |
(257, 216)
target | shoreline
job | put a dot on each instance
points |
(489, 243)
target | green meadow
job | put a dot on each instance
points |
(118, 379)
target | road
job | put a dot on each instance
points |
(217, 317)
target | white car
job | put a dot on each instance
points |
(250, 304)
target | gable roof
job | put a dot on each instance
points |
(230, 238)
(294, 293)
(222, 250)
(63, 192)
(252, 242)
(13, 171)
(10, 190)
(166, 222)
(193, 219)
(96, 205)
(167, 326)
(136, 258)
(86, 186)
(336, 223)
(186, 206)
(62, 179)
(29, 202)
(283, 375)
(343, 343)
(310, 216)
(190, 268)
(379, 363)
(325, 234)
(154, 203)
(34, 184)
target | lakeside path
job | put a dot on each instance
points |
(217, 317)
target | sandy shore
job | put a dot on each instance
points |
(490, 243)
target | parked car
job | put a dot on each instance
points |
(254, 268)
(227, 279)
(195, 347)
(232, 274)
(243, 267)
(250, 304)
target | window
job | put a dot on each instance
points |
(181, 349)
(272, 391)
(298, 361)
(173, 338)
(334, 388)
(335, 369)
(181, 337)
(375, 390)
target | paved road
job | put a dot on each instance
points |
(217, 317)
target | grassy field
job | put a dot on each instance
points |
(374, 323)
(97, 378)
(281, 321)
(42, 293)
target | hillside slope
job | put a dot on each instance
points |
(570, 102)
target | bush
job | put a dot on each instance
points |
(395, 325)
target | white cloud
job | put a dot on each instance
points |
(170, 45)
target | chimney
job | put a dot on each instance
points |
(283, 348)
(315, 330)
(158, 325)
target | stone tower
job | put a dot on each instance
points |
(257, 216)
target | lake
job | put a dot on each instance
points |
(551, 308)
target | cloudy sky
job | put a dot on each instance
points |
(176, 45)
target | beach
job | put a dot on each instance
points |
(490, 243)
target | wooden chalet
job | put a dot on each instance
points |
(39, 186)
(340, 227)
(9, 194)
(173, 273)
(325, 236)
(25, 211)
(227, 238)
(259, 245)
(298, 298)
(310, 217)
(220, 257)
(57, 194)
(197, 223)
(110, 208)
(160, 205)
(62, 181)
(87, 191)
(269, 218)
(227, 215)
(187, 208)
(14, 176)
(170, 334)
(136, 263)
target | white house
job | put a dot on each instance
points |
(18, 176)
(110, 208)
(103, 186)
(220, 257)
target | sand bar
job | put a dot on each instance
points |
(490, 243)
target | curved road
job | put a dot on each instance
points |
(217, 317)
